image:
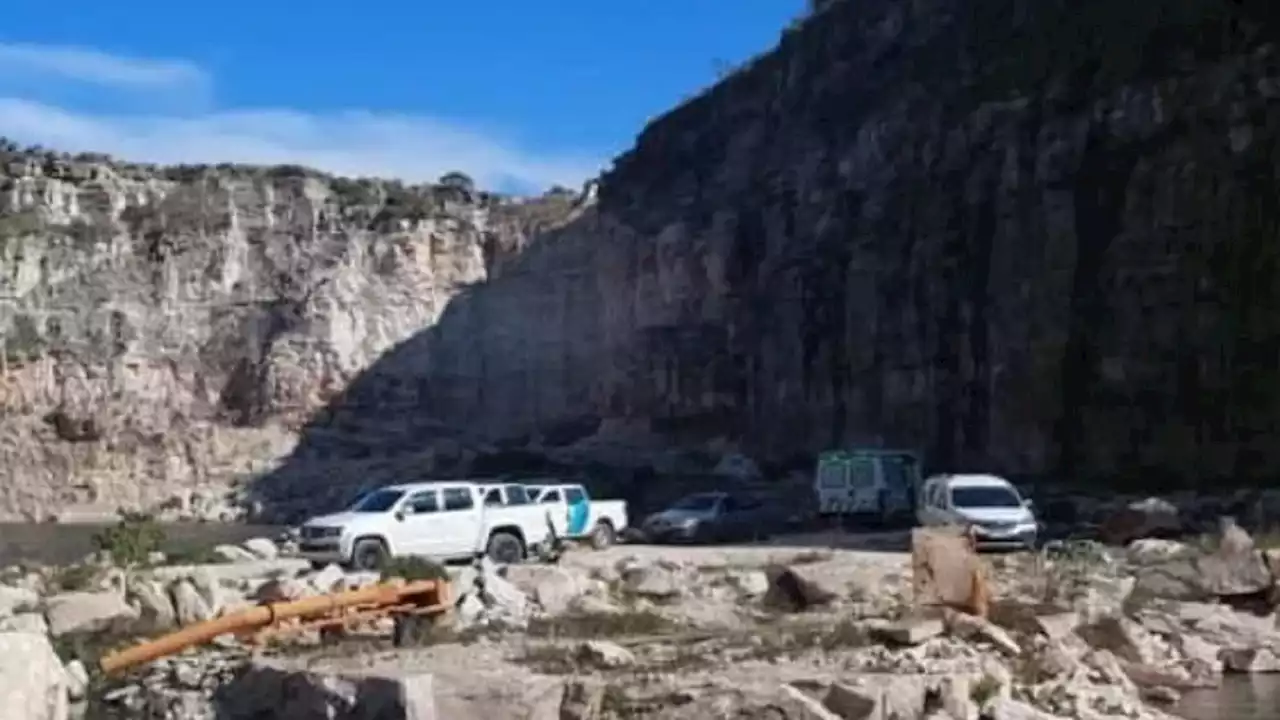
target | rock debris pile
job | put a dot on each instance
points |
(1078, 631)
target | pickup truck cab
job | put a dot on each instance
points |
(446, 520)
(574, 514)
(990, 505)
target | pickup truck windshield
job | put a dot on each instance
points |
(377, 501)
(984, 497)
(696, 502)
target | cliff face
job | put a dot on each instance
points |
(1032, 237)
(167, 330)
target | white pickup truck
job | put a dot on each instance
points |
(446, 520)
(576, 515)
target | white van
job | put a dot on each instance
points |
(991, 505)
(874, 485)
(446, 520)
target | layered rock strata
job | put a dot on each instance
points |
(1018, 236)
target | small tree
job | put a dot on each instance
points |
(132, 540)
(413, 567)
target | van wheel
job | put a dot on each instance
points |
(602, 535)
(369, 554)
(505, 548)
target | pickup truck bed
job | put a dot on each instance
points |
(576, 515)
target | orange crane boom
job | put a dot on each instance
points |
(400, 598)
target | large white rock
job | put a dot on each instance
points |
(26, 622)
(33, 684)
(261, 547)
(188, 604)
(503, 600)
(327, 579)
(234, 553)
(77, 677)
(15, 599)
(86, 611)
(154, 604)
(554, 588)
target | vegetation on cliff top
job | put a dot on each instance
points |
(454, 185)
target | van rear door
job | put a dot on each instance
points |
(831, 484)
(901, 478)
(865, 483)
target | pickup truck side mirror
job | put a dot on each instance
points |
(399, 516)
(1029, 504)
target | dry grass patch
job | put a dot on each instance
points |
(810, 557)
(550, 659)
(72, 578)
(786, 638)
(594, 625)
(565, 658)
(1268, 539)
(985, 690)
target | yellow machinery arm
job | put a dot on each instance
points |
(418, 597)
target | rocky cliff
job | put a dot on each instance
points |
(1027, 236)
(1033, 237)
(166, 331)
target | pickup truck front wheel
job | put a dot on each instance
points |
(505, 548)
(602, 536)
(369, 554)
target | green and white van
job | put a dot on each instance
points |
(872, 484)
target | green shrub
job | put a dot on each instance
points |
(986, 689)
(132, 540)
(412, 567)
(72, 578)
(190, 554)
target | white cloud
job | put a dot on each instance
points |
(86, 65)
(355, 142)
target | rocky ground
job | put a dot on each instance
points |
(815, 627)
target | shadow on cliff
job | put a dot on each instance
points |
(435, 406)
(391, 424)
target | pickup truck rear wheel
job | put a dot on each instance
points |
(506, 548)
(369, 554)
(602, 535)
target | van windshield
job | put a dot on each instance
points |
(377, 501)
(984, 497)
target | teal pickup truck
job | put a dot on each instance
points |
(575, 515)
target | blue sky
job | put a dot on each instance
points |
(519, 94)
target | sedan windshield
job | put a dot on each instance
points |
(696, 503)
(377, 501)
(984, 497)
